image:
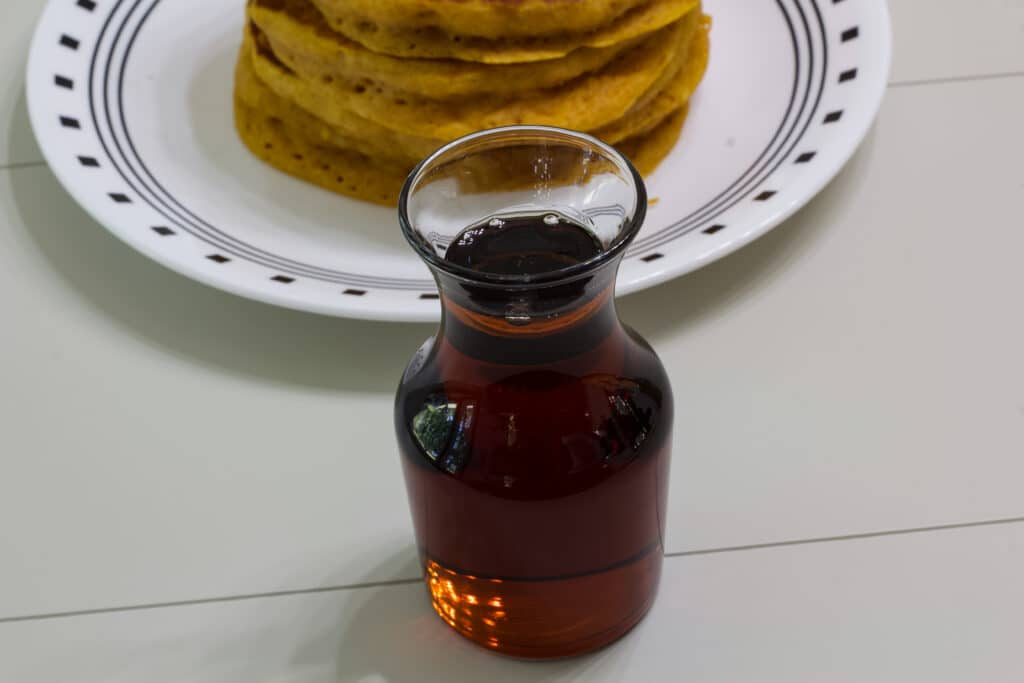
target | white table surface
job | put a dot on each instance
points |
(182, 497)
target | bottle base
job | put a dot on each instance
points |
(546, 618)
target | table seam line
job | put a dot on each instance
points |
(940, 80)
(849, 537)
(415, 580)
(22, 164)
(206, 601)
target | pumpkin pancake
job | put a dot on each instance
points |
(494, 19)
(583, 104)
(364, 138)
(649, 150)
(433, 43)
(344, 172)
(346, 123)
(300, 37)
(367, 175)
(665, 100)
(252, 92)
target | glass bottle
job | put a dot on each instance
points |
(534, 427)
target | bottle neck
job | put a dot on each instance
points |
(529, 324)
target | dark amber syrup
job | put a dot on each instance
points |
(536, 450)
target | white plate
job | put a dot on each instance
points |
(131, 101)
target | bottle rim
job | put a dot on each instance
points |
(625, 236)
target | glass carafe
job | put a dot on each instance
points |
(534, 427)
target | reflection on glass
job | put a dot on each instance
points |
(442, 429)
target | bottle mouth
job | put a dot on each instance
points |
(558, 170)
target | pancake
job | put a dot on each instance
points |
(647, 151)
(365, 138)
(584, 104)
(324, 108)
(361, 177)
(673, 95)
(345, 172)
(345, 123)
(297, 143)
(369, 162)
(301, 38)
(254, 94)
(433, 43)
(492, 19)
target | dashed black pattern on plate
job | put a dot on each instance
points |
(106, 102)
(148, 189)
(803, 110)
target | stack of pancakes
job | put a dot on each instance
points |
(351, 94)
